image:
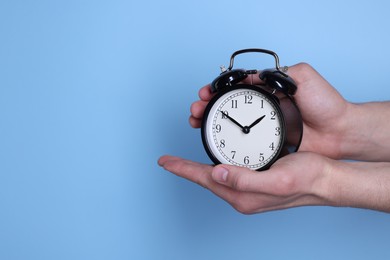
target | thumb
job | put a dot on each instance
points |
(241, 179)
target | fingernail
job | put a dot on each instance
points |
(220, 174)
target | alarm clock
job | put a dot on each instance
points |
(252, 125)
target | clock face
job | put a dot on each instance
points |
(243, 126)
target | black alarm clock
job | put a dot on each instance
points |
(252, 125)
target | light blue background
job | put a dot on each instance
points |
(93, 92)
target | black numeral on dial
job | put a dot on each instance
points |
(234, 103)
(246, 160)
(273, 115)
(248, 99)
(224, 114)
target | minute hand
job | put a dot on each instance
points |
(233, 120)
(256, 122)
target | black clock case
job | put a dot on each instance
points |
(278, 86)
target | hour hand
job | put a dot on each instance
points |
(256, 122)
(233, 120)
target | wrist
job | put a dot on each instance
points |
(335, 183)
(324, 187)
(350, 139)
(359, 185)
(365, 132)
(357, 133)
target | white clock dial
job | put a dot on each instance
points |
(245, 127)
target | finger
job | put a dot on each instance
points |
(246, 180)
(197, 173)
(205, 93)
(301, 72)
(165, 158)
(195, 122)
(197, 109)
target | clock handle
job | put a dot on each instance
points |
(277, 65)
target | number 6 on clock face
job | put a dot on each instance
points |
(243, 126)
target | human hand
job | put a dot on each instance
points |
(298, 179)
(295, 180)
(307, 177)
(324, 111)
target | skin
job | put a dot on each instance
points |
(334, 129)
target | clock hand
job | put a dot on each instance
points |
(256, 122)
(232, 119)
